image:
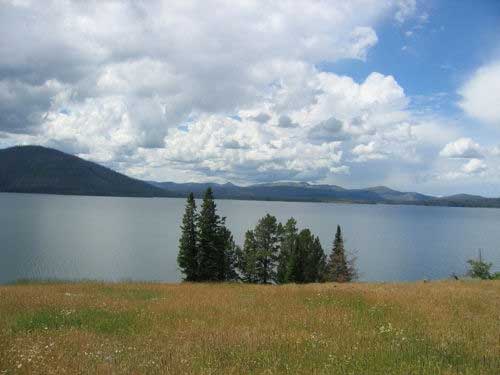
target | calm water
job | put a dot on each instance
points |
(47, 236)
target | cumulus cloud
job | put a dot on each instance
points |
(328, 130)
(262, 117)
(474, 166)
(464, 148)
(134, 54)
(267, 154)
(285, 121)
(172, 88)
(481, 94)
(364, 152)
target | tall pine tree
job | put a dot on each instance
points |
(297, 261)
(267, 246)
(211, 257)
(288, 236)
(260, 252)
(307, 260)
(187, 259)
(248, 258)
(231, 255)
(339, 268)
(317, 262)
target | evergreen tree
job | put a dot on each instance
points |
(247, 263)
(316, 259)
(231, 255)
(296, 261)
(339, 268)
(187, 258)
(307, 261)
(288, 235)
(267, 246)
(211, 251)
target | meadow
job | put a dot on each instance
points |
(441, 327)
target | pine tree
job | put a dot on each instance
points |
(307, 260)
(267, 246)
(296, 262)
(187, 258)
(288, 236)
(316, 259)
(339, 268)
(231, 255)
(247, 263)
(211, 257)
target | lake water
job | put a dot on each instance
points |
(49, 236)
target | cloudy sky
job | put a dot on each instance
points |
(403, 93)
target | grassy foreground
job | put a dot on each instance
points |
(447, 327)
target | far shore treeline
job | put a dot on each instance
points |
(272, 252)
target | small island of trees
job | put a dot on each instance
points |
(272, 253)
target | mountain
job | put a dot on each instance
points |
(296, 191)
(36, 169)
(302, 191)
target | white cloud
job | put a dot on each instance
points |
(464, 148)
(366, 152)
(406, 8)
(176, 90)
(256, 153)
(470, 169)
(481, 94)
(474, 166)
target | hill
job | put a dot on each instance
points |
(36, 169)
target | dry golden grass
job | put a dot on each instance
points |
(449, 327)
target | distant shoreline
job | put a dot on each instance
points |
(343, 202)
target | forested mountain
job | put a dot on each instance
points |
(36, 169)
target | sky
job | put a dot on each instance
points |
(402, 93)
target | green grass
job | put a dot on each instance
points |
(95, 320)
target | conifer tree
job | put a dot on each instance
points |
(187, 258)
(316, 259)
(296, 262)
(231, 255)
(247, 263)
(211, 254)
(307, 261)
(288, 236)
(339, 268)
(267, 249)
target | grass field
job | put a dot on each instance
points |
(446, 327)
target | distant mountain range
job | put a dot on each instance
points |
(36, 169)
(304, 192)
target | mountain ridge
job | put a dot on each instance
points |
(305, 192)
(37, 169)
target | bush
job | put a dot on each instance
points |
(480, 269)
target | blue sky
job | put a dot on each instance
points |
(443, 49)
(403, 93)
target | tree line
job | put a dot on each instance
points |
(272, 252)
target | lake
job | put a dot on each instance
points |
(70, 237)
